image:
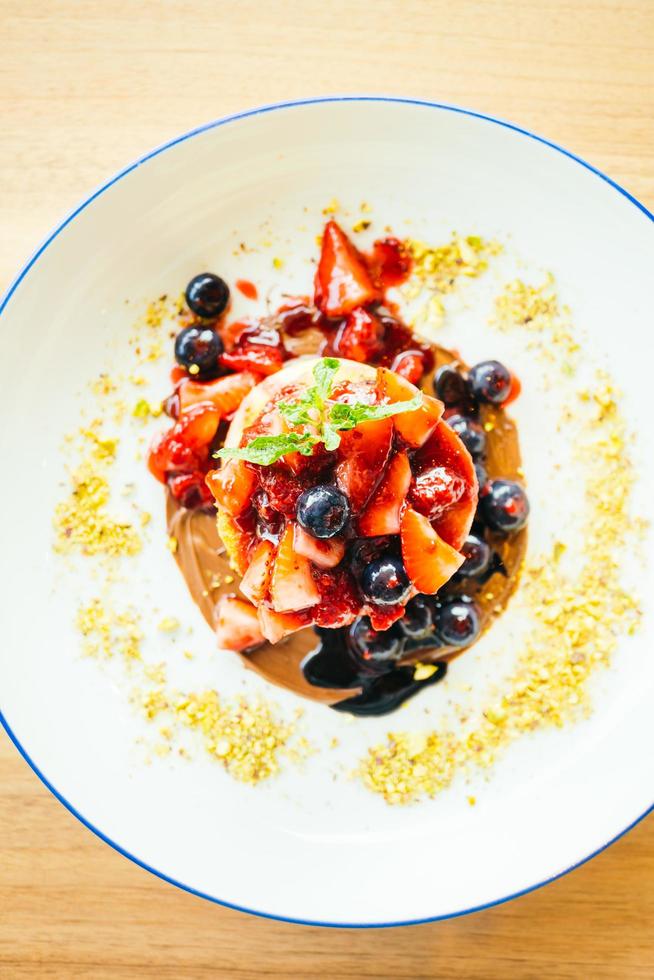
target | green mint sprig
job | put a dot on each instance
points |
(323, 420)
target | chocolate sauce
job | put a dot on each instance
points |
(384, 687)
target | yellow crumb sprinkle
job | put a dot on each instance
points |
(437, 270)
(537, 310)
(278, 263)
(172, 544)
(103, 385)
(82, 523)
(245, 736)
(365, 207)
(107, 632)
(169, 624)
(332, 207)
(422, 671)
(143, 409)
(361, 225)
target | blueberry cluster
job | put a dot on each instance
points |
(503, 504)
(198, 347)
(429, 622)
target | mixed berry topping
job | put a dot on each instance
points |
(350, 503)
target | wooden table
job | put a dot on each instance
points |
(86, 86)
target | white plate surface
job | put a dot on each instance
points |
(304, 846)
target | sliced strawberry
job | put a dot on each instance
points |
(429, 561)
(362, 458)
(382, 515)
(183, 448)
(225, 394)
(237, 624)
(444, 448)
(256, 581)
(275, 625)
(233, 485)
(361, 336)
(292, 585)
(436, 490)
(342, 278)
(324, 553)
(414, 427)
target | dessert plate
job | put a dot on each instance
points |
(311, 844)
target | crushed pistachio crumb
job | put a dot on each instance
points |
(143, 409)
(247, 737)
(82, 522)
(436, 271)
(106, 632)
(169, 624)
(332, 207)
(537, 310)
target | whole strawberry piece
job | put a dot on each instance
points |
(342, 281)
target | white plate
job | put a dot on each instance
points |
(305, 847)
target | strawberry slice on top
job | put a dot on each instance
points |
(362, 457)
(445, 449)
(382, 515)
(429, 561)
(342, 280)
(415, 427)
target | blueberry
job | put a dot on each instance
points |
(504, 506)
(417, 622)
(207, 295)
(482, 475)
(458, 622)
(372, 646)
(490, 382)
(450, 386)
(470, 433)
(323, 511)
(385, 581)
(364, 550)
(197, 349)
(477, 557)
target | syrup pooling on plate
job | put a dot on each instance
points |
(350, 506)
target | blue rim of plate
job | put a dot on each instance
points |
(443, 107)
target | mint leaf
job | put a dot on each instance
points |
(266, 450)
(327, 419)
(348, 416)
(323, 373)
(297, 413)
(330, 436)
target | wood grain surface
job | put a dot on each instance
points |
(85, 87)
